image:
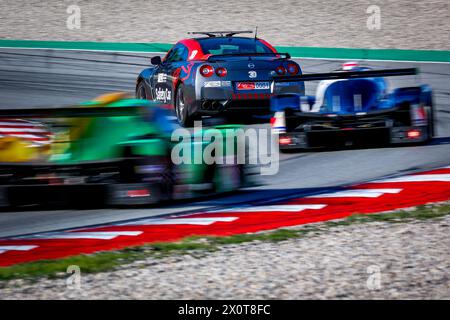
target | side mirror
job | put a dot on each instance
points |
(156, 60)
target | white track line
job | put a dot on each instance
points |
(276, 208)
(363, 193)
(101, 235)
(418, 178)
(192, 221)
(16, 248)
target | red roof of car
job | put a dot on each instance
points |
(196, 52)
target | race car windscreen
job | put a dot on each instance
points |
(230, 45)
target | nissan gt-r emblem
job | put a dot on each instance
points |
(252, 74)
(251, 65)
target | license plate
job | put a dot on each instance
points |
(253, 85)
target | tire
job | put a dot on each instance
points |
(181, 108)
(141, 92)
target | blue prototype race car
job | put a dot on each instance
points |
(352, 106)
(216, 73)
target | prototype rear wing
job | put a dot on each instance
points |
(348, 75)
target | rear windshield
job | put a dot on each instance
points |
(232, 45)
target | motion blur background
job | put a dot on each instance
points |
(404, 24)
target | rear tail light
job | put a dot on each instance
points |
(280, 70)
(138, 193)
(413, 134)
(221, 72)
(285, 140)
(206, 70)
(293, 68)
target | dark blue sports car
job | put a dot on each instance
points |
(353, 106)
(217, 73)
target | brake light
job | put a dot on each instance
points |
(413, 134)
(280, 70)
(221, 72)
(293, 68)
(285, 140)
(206, 70)
(138, 193)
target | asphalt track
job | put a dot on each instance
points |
(33, 78)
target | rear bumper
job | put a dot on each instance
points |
(111, 182)
(248, 104)
(353, 137)
(215, 100)
(80, 194)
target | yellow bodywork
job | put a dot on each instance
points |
(16, 149)
(13, 149)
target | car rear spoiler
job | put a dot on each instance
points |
(348, 75)
(284, 55)
(338, 117)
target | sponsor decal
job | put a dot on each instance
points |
(217, 84)
(193, 54)
(246, 86)
(262, 85)
(186, 71)
(253, 85)
(162, 77)
(164, 95)
(212, 84)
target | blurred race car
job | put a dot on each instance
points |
(353, 106)
(113, 148)
(217, 72)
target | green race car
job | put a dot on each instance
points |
(114, 148)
